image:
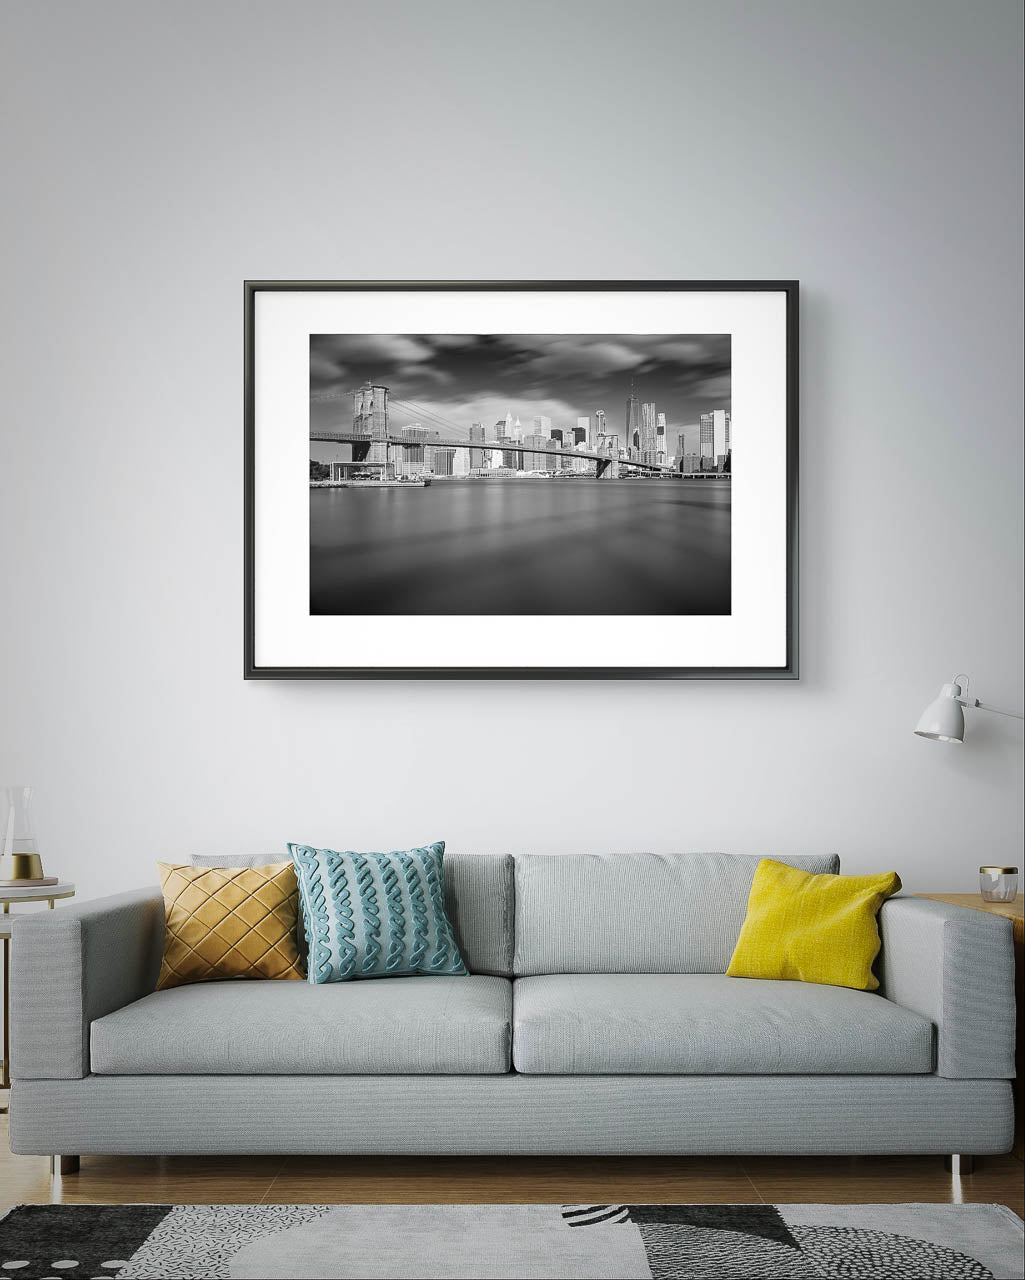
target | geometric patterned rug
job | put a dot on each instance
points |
(511, 1241)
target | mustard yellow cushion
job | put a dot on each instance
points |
(812, 928)
(229, 922)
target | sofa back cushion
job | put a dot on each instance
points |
(635, 912)
(478, 899)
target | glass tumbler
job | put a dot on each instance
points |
(998, 884)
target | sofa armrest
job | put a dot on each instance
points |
(954, 966)
(73, 965)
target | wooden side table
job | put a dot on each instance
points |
(1014, 911)
(48, 893)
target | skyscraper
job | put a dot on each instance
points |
(600, 429)
(633, 419)
(715, 440)
(477, 455)
(660, 439)
(504, 430)
(648, 445)
(543, 427)
(581, 433)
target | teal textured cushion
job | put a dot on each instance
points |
(375, 915)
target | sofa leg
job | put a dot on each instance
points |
(63, 1164)
(959, 1164)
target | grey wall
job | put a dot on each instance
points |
(155, 155)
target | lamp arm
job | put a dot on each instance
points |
(982, 706)
(974, 702)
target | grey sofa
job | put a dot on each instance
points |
(598, 1019)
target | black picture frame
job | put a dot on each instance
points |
(788, 671)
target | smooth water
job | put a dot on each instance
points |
(522, 547)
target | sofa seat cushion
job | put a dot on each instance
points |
(381, 1026)
(707, 1024)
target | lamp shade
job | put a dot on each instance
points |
(943, 719)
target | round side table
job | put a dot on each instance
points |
(48, 893)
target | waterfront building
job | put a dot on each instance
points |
(582, 431)
(715, 440)
(690, 461)
(535, 461)
(476, 458)
(409, 456)
(442, 461)
(461, 462)
(660, 439)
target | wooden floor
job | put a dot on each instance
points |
(466, 1179)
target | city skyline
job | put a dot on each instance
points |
(613, 530)
(464, 378)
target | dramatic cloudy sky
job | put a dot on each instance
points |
(463, 378)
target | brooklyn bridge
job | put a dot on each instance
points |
(361, 448)
(372, 406)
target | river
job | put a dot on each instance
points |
(573, 546)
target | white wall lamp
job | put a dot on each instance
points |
(943, 719)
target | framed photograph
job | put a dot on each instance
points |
(521, 480)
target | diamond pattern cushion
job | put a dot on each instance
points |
(229, 922)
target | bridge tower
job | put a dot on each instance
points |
(370, 420)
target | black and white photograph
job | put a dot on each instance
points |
(577, 479)
(520, 473)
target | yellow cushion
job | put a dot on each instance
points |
(229, 922)
(812, 928)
